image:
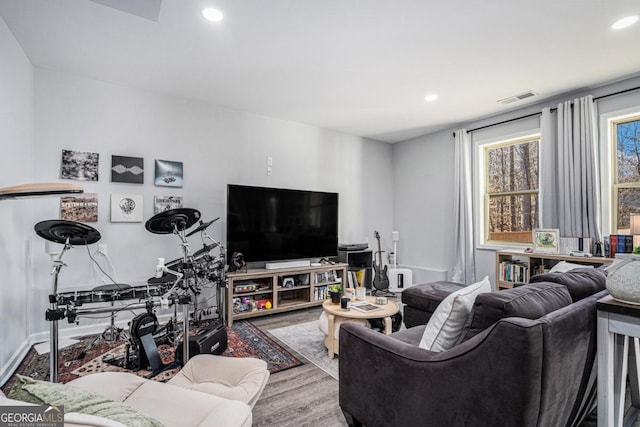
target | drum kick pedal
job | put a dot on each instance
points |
(145, 354)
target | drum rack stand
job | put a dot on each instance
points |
(54, 314)
(148, 342)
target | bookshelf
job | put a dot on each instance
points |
(516, 267)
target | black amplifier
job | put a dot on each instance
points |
(208, 339)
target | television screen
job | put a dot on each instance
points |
(269, 224)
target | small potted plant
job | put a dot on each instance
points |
(336, 293)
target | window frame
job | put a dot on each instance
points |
(612, 125)
(483, 195)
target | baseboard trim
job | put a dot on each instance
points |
(425, 274)
(7, 370)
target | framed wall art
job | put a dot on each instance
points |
(82, 207)
(546, 240)
(129, 170)
(126, 208)
(79, 165)
(168, 173)
(165, 203)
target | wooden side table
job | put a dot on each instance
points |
(334, 310)
(617, 357)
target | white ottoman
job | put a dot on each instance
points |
(323, 324)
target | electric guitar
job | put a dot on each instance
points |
(381, 279)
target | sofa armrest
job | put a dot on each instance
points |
(384, 381)
(75, 419)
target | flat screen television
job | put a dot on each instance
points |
(273, 224)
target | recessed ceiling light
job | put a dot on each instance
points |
(431, 97)
(625, 22)
(211, 14)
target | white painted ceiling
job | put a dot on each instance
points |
(358, 66)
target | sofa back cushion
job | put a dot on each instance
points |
(580, 283)
(445, 326)
(528, 301)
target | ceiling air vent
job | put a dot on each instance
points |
(515, 98)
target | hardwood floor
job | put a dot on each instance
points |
(301, 396)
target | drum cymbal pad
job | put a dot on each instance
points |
(168, 221)
(203, 226)
(61, 231)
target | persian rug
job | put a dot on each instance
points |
(86, 357)
(308, 340)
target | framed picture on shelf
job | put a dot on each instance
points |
(546, 240)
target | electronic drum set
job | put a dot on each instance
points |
(178, 282)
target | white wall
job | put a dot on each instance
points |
(217, 146)
(423, 205)
(423, 183)
(16, 142)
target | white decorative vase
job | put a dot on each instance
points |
(623, 278)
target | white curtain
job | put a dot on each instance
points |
(464, 263)
(569, 176)
(547, 199)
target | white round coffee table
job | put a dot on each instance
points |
(334, 311)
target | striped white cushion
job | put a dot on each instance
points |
(447, 322)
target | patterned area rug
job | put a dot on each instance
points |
(83, 358)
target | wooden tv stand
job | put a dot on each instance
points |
(284, 289)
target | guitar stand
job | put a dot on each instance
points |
(382, 293)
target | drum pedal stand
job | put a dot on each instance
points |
(111, 334)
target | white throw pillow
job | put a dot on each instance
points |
(564, 266)
(446, 323)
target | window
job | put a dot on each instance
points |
(511, 190)
(626, 185)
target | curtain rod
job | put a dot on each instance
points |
(553, 109)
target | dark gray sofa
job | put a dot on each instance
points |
(517, 372)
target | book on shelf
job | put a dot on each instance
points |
(513, 271)
(622, 244)
(618, 244)
(352, 280)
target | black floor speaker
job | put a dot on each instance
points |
(208, 339)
